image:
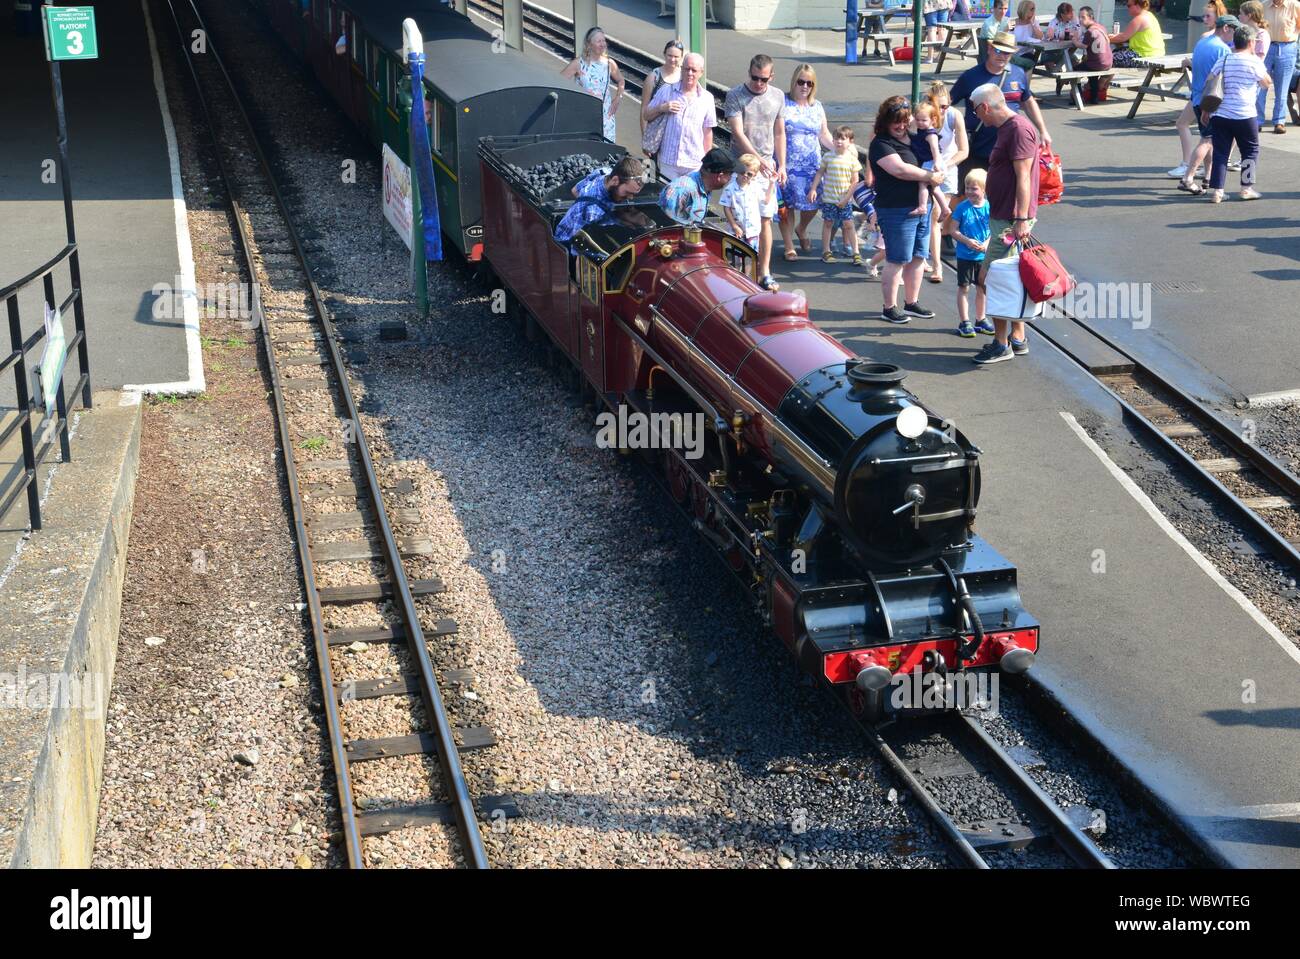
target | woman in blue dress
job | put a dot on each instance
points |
(806, 138)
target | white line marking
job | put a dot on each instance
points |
(1280, 398)
(1283, 810)
(185, 252)
(1197, 556)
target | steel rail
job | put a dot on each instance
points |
(1076, 844)
(1274, 541)
(448, 755)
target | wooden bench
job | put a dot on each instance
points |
(1157, 67)
(1075, 79)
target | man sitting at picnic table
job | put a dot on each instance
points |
(997, 69)
(1096, 55)
(1143, 36)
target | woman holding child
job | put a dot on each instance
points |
(901, 210)
(953, 149)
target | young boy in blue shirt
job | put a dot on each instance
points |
(969, 229)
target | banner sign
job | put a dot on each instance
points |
(422, 159)
(397, 194)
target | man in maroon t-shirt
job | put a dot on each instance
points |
(1013, 201)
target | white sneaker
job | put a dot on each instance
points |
(1178, 172)
(1250, 193)
(1216, 196)
(1234, 164)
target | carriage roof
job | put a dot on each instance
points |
(459, 59)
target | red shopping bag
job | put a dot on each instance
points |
(1042, 272)
(1051, 181)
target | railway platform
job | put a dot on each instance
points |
(1182, 679)
(1218, 283)
(130, 213)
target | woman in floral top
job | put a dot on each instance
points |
(806, 137)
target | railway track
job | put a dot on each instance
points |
(1261, 494)
(944, 759)
(306, 369)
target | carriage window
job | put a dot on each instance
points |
(617, 271)
(372, 64)
(355, 42)
(588, 279)
(446, 123)
(393, 70)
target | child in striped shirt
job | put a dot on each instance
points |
(836, 177)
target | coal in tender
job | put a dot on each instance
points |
(540, 179)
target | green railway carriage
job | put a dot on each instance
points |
(475, 86)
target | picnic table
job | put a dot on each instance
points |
(1157, 67)
(966, 29)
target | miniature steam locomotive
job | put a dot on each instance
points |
(841, 501)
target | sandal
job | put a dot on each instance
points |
(791, 255)
(857, 259)
(805, 244)
(828, 257)
(935, 278)
(1195, 189)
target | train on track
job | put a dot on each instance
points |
(475, 86)
(845, 505)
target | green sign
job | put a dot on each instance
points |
(70, 33)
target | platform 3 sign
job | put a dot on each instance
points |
(70, 33)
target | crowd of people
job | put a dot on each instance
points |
(931, 172)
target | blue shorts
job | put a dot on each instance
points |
(936, 17)
(907, 237)
(835, 215)
(1202, 128)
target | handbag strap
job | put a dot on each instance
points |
(1001, 80)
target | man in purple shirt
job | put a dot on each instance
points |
(688, 131)
(1013, 203)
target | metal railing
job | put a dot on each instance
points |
(38, 443)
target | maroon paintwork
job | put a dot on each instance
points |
(725, 330)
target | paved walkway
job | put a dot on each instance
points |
(1222, 281)
(128, 214)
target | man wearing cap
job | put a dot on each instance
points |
(997, 69)
(686, 199)
(1209, 50)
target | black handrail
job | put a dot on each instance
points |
(24, 478)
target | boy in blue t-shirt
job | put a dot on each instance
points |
(969, 229)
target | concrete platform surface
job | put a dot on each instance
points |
(59, 613)
(129, 214)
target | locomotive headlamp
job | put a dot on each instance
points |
(911, 422)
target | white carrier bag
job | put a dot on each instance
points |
(1005, 294)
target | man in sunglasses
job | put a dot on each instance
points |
(753, 114)
(1011, 79)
